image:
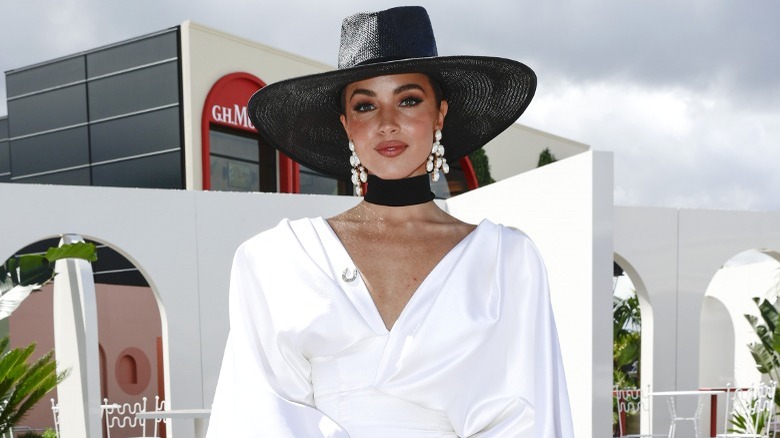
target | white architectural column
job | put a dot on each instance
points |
(76, 346)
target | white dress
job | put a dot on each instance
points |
(473, 354)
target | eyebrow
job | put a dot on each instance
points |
(407, 87)
(398, 90)
(363, 91)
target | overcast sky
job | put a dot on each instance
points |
(686, 94)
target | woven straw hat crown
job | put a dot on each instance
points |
(300, 116)
(399, 33)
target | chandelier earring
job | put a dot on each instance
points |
(359, 174)
(436, 160)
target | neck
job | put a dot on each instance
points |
(399, 192)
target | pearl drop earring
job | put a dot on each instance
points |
(436, 159)
(359, 174)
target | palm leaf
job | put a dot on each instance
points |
(768, 313)
(23, 384)
(766, 352)
(28, 269)
(78, 250)
(765, 359)
(34, 269)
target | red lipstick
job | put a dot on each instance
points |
(390, 148)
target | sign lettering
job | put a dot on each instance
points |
(235, 116)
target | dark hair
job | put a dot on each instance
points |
(438, 94)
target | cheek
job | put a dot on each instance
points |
(359, 133)
(423, 131)
(356, 128)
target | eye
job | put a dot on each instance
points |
(362, 107)
(410, 101)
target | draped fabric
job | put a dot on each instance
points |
(473, 354)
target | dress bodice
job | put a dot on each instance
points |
(344, 389)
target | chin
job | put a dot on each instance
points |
(396, 173)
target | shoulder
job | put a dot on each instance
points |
(512, 245)
(507, 236)
(521, 274)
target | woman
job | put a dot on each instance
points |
(392, 319)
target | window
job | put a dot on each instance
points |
(133, 370)
(57, 150)
(134, 91)
(313, 182)
(77, 177)
(241, 162)
(135, 135)
(127, 370)
(161, 171)
(132, 54)
(50, 110)
(5, 157)
(110, 117)
(66, 71)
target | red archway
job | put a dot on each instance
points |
(226, 105)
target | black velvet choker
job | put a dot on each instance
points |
(399, 192)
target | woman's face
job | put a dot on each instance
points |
(391, 120)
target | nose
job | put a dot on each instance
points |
(388, 121)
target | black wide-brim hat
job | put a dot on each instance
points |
(300, 116)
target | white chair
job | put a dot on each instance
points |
(749, 411)
(631, 401)
(676, 419)
(55, 412)
(122, 416)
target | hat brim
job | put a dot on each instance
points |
(300, 116)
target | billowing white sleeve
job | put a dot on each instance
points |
(264, 387)
(527, 397)
(550, 415)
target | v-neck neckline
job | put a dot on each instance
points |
(363, 298)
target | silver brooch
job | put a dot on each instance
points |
(345, 275)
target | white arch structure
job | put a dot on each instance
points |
(671, 255)
(183, 242)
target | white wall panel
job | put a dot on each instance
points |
(566, 209)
